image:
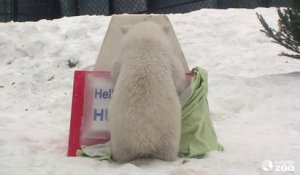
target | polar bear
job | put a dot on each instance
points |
(145, 111)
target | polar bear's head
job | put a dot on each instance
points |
(146, 31)
(149, 41)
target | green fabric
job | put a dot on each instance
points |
(197, 132)
(98, 151)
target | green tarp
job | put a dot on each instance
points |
(197, 132)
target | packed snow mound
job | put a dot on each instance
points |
(253, 95)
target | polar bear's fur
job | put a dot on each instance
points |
(145, 112)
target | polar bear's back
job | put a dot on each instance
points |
(145, 106)
(145, 111)
(144, 121)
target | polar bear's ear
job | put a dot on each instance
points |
(166, 28)
(125, 28)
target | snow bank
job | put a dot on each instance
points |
(253, 94)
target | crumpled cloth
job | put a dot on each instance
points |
(98, 151)
(197, 132)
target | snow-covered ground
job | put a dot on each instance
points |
(254, 94)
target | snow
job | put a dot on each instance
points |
(253, 94)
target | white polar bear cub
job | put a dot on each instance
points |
(145, 111)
